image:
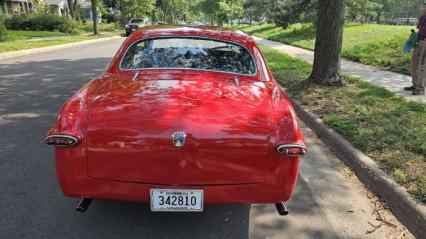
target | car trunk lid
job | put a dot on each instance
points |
(131, 124)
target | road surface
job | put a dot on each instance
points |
(329, 201)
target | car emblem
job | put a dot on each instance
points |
(178, 139)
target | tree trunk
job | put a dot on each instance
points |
(328, 46)
(95, 17)
(74, 8)
(72, 14)
(379, 15)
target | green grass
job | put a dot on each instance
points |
(104, 27)
(371, 44)
(386, 127)
(24, 35)
(16, 40)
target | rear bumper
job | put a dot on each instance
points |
(71, 167)
(223, 194)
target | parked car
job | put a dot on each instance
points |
(181, 118)
(134, 24)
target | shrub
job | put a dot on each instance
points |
(42, 21)
(3, 30)
(17, 22)
(103, 27)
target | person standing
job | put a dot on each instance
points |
(418, 60)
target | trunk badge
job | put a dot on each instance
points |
(179, 139)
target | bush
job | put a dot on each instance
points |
(42, 22)
(3, 30)
(17, 22)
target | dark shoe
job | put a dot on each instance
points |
(411, 88)
(417, 92)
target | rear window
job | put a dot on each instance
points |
(189, 53)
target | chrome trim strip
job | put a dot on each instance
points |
(191, 69)
(236, 80)
(135, 76)
(283, 146)
(64, 136)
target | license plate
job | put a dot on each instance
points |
(173, 200)
(133, 29)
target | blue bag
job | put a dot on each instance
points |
(412, 42)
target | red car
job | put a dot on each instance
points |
(181, 118)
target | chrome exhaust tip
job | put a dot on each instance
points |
(282, 209)
(83, 205)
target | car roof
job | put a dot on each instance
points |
(202, 31)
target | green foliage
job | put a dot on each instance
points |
(171, 11)
(3, 30)
(222, 11)
(388, 128)
(371, 44)
(104, 27)
(400, 176)
(137, 8)
(42, 21)
(258, 9)
(287, 12)
(361, 9)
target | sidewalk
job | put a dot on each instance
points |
(392, 81)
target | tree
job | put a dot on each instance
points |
(293, 11)
(257, 9)
(209, 8)
(137, 8)
(361, 9)
(236, 8)
(173, 10)
(328, 45)
(72, 6)
(95, 16)
(383, 8)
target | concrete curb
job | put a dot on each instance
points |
(409, 212)
(13, 54)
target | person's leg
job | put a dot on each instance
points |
(415, 59)
(419, 83)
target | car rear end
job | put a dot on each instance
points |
(180, 138)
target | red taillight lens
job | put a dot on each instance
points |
(291, 150)
(61, 140)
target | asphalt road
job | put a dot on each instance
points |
(329, 201)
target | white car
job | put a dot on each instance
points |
(134, 24)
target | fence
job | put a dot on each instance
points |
(407, 21)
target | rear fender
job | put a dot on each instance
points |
(285, 129)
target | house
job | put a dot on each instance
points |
(86, 9)
(18, 6)
(58, 6)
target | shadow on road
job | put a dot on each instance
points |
(31, 94)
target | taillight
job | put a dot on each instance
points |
(291, 150)
(61, 140)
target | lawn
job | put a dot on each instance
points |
(371, 44)
(25, 35)
(18, 40)
(104, 27)
(386, 127)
